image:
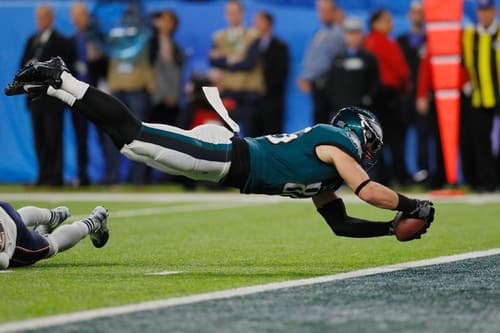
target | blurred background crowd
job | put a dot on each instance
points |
(348, 59)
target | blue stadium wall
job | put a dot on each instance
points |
(295, 24)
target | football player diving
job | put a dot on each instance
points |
(31, 234)
(313, 162)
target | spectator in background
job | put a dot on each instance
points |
(89, 65)
(81, 68)
(275, 64)
(339, 17)
(47, 113)
(325, 45)
(480, 49)
(245, 85)
(166, 59)
(427, 120)
(131, 80)
(413, 44)
(395, 81)
(353, 79)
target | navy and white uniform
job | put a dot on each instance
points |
(30, 246)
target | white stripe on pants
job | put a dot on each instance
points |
(176, 162)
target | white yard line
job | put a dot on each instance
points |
(224, 294)
(173, 209)
(3, 272)
(210, 197)
(164, 273)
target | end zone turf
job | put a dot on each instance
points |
(218, 249)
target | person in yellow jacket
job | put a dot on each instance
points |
(481, 58)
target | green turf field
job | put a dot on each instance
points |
(217, 246)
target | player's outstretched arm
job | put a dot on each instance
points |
(333, 210)
(370, 191)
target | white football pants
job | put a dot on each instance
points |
(203, 153)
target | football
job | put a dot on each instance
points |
(408, 228)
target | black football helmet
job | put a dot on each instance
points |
(367, 129)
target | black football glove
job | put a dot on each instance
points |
(424, 210)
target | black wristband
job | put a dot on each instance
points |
(406, 205)
(361, 186)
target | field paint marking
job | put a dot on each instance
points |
(226, 197)
(154, 305)
(173, 209)
(164, 273)
(3, 272)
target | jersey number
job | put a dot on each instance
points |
(276, 139)
(295, 190)
(281, 138)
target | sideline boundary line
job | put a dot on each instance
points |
(164, 197)
(69, 318)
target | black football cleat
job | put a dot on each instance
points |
(43, 71)
(31, 88)
(15, 88)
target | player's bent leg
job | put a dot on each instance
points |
(33, 216)
(67, 236)
(43, 220)
(197, 154)
(106, 111)
(203, 153)
(52, 78)
(200, 154)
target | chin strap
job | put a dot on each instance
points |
(213, 97)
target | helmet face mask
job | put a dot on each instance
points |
(368, 130)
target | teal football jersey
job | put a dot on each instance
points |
(286, 164)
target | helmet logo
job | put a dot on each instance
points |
(355, 141)
(372, 135)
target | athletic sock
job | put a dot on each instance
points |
(58, 215)
(73, 86)
(62, 95)
(91, 224)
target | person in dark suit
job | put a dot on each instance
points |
(80, 19)
(47, 113)
(413, 45)
(89, 65)
(328, 41)
(354, 78)
(275, 64)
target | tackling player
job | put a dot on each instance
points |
(22, 246)
(313, 162)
